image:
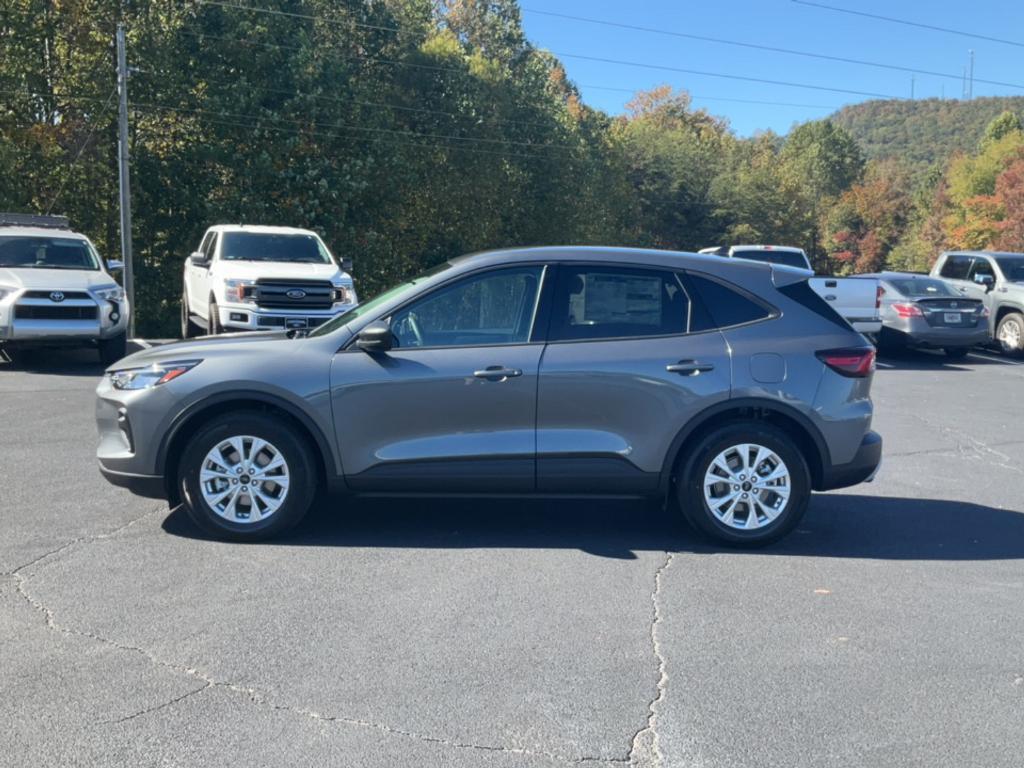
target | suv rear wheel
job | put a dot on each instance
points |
(745, 484)
(247, 476)
(1010, 333)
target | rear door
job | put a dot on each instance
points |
(620, 377)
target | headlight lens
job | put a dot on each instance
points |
(154, 375)
(112, 293)
(240, 290)
(344, 294)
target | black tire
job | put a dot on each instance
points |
(113, 349)
(956, 353)
(1005, 328)
(17, 356)
(694, 467)
(300, 458)
(189, 330)
(213, 326)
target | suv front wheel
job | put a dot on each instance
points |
(745, 485)
(1010, 333)
(247, 476)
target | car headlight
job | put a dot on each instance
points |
(111, 293)
(243, 291)
(343, 294)
(153, 376)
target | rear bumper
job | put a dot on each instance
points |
(862, 468)
(149, 486)
(932, 337)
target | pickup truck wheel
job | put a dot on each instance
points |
(246, 476)
(213, 326)
(188, 328)
(113, 349)
(745, 485)
(1010, 333)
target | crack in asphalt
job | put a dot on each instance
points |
(253, 695)
(645, 749)
(971, 447)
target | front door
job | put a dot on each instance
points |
(621, 376)
(452, 407)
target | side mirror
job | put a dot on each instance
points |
(986, 280)
(113, 265)
(346, 266)
(197, 259)
(376, 337)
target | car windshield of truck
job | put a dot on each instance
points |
(47, 253)
(921, 287)
(1012, 267)
(266, 246)
(377, 301)
(786, 258)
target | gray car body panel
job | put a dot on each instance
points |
(1004, 296)
(603, 415)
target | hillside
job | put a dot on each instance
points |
(924, 130)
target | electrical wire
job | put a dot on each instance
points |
(81, 149)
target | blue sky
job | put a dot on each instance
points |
(784, 24)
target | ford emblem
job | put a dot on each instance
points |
(57, 296)
(296, 293)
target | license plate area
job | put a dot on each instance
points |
(952, 318)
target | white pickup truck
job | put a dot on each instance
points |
(254, 278)
(858, 300)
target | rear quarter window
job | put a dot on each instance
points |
(804, 295)
(724, 306)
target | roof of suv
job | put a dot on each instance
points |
(40, 232)
(261, 229)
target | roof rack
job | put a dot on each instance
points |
(34, 220)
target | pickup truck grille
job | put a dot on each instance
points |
(294, 294)
(55, 312)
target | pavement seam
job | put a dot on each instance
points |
(253, 695)
(645, 747)
(971, 446)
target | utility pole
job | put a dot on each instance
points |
(970, 78)
(123, 177)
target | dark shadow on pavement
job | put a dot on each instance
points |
(936, 360)
(836, 525)
(61, 361)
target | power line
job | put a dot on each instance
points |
(770, 48)
(908, 23)
(81, 150)
(294, 15)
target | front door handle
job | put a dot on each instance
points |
(689, 367)
(497, 373)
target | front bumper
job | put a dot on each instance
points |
(34, 320)
(863, 468)
(249, 317)
(148, 486)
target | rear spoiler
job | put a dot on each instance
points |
(783, 275)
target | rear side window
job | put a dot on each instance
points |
(608, 302)
(803, 294)
(726, 306)
(956, 267)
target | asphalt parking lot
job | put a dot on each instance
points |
(888, 630)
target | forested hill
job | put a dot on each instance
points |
(925, 130)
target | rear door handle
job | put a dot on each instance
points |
(689, 367)
(497, 373)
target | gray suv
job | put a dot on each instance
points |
(586, 370)
(997, 280)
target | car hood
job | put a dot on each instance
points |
(275, 344)
(254, 270)
(54, 279)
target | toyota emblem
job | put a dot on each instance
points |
(57, 297)
(296, 293)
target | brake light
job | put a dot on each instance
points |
(908, 310)
(855, 363)
(983, 312)
(879, 293)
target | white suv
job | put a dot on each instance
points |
(252, 278)
(56, 291)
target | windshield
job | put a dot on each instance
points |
(266, 246)
(786, 258)
(47, 253)
(922, 287)
(1012, 267)
(379, 300)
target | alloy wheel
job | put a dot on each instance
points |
(747, 486)
(244, 479)
(1010, 335)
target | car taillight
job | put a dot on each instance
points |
(908, 310)
(983, 312)
(879, 293)
(853, 363)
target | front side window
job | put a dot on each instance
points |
(491, 308)
(981, 266)
(267, 246)
(956, 267)
(47, 253)
(598, 302)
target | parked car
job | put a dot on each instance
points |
(584, 370)
(927, 312)
(250, 278)
(997, 279)
(56, 291)
(858, 303)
